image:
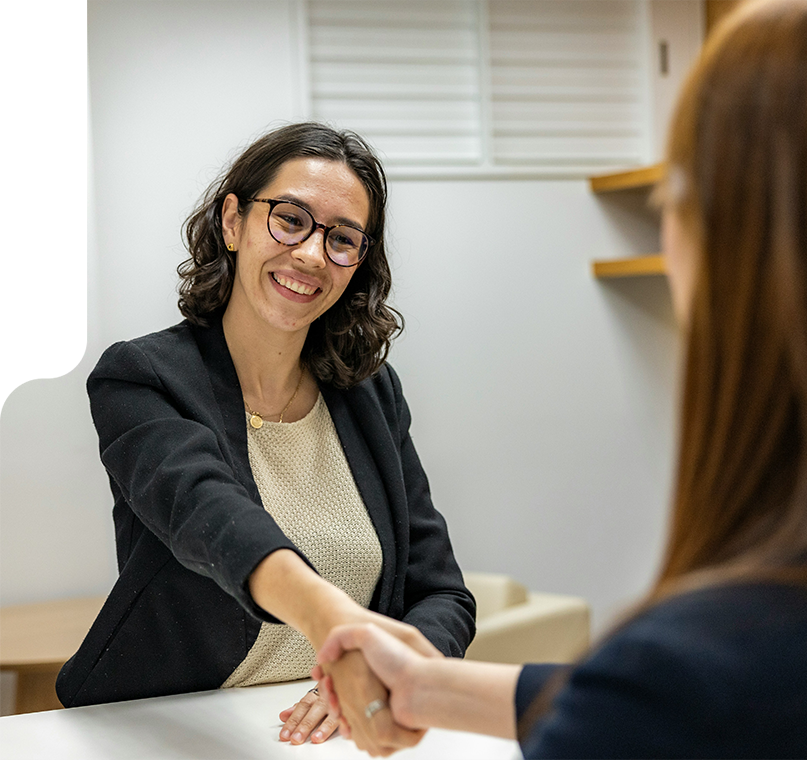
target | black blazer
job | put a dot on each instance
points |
(720, 672)
(190, 527)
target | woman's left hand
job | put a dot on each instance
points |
(311, 716)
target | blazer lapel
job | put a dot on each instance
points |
(227, 393)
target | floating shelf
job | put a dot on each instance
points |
(632, 179)
(639, 266)
(642, 178)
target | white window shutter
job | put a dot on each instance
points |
(568, 83)
(555, 87)
(404, 75)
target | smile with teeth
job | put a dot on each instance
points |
(297, 287)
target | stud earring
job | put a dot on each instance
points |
(230, 247)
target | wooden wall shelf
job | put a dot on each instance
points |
(632, 179)
(638, 266)
(641, 178)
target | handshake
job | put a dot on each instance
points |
(368, 677)
(383, 684)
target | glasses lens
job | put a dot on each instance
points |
(289, 224)
(346, 245)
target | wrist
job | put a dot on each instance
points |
(285, 586)
(331, 607)
(419, 685)
(464, 695)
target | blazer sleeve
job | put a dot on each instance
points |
(436, 600)
(170, 468)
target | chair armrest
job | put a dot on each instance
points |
(545, 628)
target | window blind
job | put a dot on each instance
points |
(553, 86)
(568, 83)
(403, 74)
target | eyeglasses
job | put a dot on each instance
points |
(291, 224)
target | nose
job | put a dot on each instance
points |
(311, 251)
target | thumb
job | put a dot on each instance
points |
(341, 639)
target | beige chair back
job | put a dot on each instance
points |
(494, 592)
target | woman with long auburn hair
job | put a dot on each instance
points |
(713, 662)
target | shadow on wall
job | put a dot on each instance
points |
(44, 304)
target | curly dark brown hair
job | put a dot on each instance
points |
(351, 340)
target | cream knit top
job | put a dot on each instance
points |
(306, 485)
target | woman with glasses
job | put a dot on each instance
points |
(713, 663)
(266, 486)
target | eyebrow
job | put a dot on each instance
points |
(300, 202)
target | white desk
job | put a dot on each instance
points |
(226, 724)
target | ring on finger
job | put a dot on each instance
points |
(374, 706)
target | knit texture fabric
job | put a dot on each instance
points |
(306, 485)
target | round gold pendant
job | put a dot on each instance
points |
(256, 421)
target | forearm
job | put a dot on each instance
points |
(286, 587)
(464, 695)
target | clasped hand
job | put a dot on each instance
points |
(360, 664)
(346, 673)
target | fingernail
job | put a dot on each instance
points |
(317, 737)
(284, 734)
(298, 737)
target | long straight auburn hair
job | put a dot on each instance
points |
(737, 180)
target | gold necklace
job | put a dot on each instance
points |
(256, 418)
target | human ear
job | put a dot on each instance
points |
(230, 221)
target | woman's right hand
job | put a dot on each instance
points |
(450, 693)
(314, 717)
(358, 685)
(390, 659)
(286, 587)
(379, 734)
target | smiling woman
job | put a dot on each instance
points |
(352, 339)
(283, 278)
(266, 487)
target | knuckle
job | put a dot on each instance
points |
(330, 722)
(292, 721)
(297, 716)
(308, 723)
(297, 719)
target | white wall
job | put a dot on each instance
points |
(542, 399)
(175, 88)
